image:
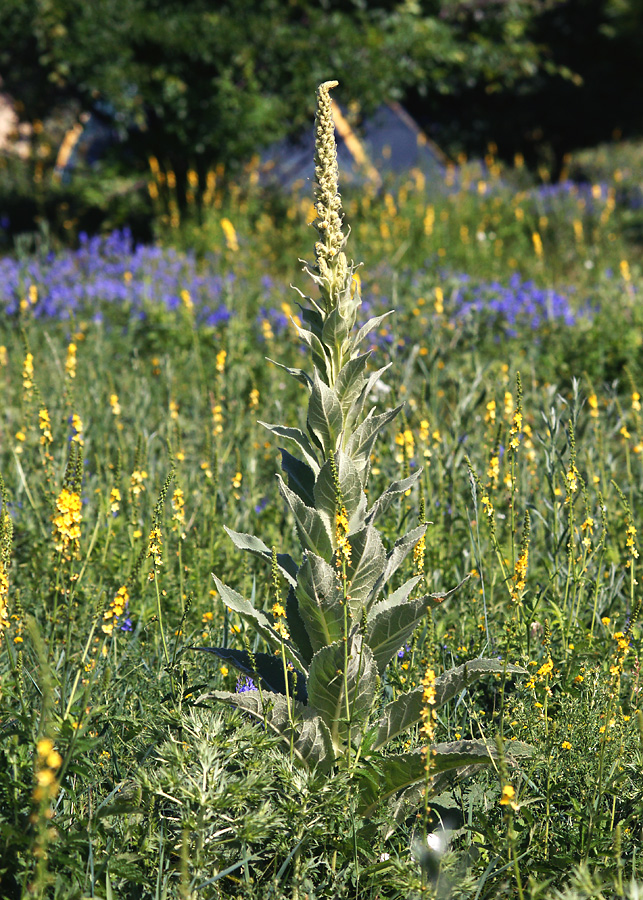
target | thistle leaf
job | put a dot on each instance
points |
(329, 681)
(325, 420)
(254, 545)
(264, 666)
(320, 602)
(312, 744)
(311, 528)
(406, 711)
(301, 478)
(300, 438)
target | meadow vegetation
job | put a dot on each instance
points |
(134, 382)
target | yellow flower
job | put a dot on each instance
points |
(70, 362)
(44, 424)
(566, 745)
(507, 797)
(220, 363)
(593, 406)
(114, 500)
(231, 240)
(115, 405)
(67, 521)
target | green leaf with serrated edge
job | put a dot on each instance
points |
(368, 561)
(386, 632)
(328, 679)
(406, 711)
(351, 380)
(394, 559)
(254, 545)
(299, 374)
(301, 478)
(311, 528)
(335, 330)
(325, 418)
(368, 326)
(360, 444)
(312, 744)
(258, 620)
(320, 602)
(297, 628)
(399, 596)
(264, 666)
(353, 497)
(401, 770)
(391, 493)
(300, 438)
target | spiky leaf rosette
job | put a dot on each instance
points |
(344, 623)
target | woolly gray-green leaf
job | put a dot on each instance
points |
(396, 557)
(392, 492)
(299, 374)
(335, 330)
(406, 711)
(360, 444)
(325, 420)
(395, 773)
(399, 596)
(350, 486)
(317, 348)
(256, 546)
(369, 326)
(258, 620)
(312, 744)
(320, 602)
(311, 528)
(300, 438)
(301, 478)
(367, 564)
(330, 681)
(387, 631)
(350, 381)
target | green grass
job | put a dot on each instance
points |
(156, 795)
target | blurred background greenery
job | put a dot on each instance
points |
(199, 84)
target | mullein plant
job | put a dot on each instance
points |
(331, 640)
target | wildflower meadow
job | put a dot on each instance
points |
(321, 579)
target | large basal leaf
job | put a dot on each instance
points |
(392, 492)
(325, 419)
(401, 770)
(330, 681)
(353, 497)
(312, 744)
(259, 621)
(320, 602)
(387, 631)
(406, 711)
(254, 545)
(301, 478)
(265, 666)
(368, 561)
(311, 528)
(395, 558)
(300, 438)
